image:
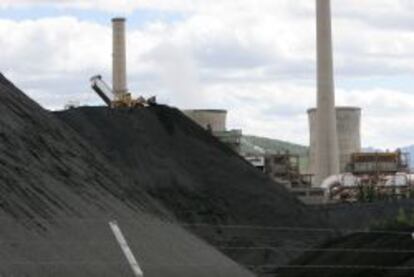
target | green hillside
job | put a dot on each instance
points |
(257, 145)
(273, 146)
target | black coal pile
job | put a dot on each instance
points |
(176, 161)
(208, 187)
(57, 195)
(377, 254)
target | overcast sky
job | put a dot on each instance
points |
(255, 58)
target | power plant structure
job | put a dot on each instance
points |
(348, 126)
(121, 97)
(326, 160)
(215, 121)
(341, 170)
(282, 166)
(335, 154)
(119, 71)
(338, 168)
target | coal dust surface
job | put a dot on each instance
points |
(57, 194)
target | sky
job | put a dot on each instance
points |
(255, 58)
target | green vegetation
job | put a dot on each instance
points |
(403, 221)
(273, 146)
(367, 193)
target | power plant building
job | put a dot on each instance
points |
(348, 125)
(215, 121)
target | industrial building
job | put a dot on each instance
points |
(282, 167)
(348, 126)
(378, 163)
(285, 167)
(215, 121)
(372, 176)
(339, 166)
(118, 96)
(335, 132)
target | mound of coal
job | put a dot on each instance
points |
(57, 195)
(379, 254)
(363, 215)
(176, 161)
(204, 183)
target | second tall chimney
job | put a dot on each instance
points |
(119, 78)
(327, 156)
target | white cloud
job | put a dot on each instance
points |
(53, 46)
(254, 58)
(126, 6)
(388, 115)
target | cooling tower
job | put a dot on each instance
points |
(348, 120)
(209, 119)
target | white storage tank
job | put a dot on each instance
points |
(348, 121)
(209, 119)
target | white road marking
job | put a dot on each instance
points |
(125, 248)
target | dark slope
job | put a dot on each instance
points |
(199, 179)
(368, 255)
(57, 194)
(363, 215)
(175, 160)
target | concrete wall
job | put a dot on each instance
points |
(348, 121)
(216, 119)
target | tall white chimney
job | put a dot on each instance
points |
(327, 153)
(119, 78)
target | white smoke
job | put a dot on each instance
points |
(179, 73)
